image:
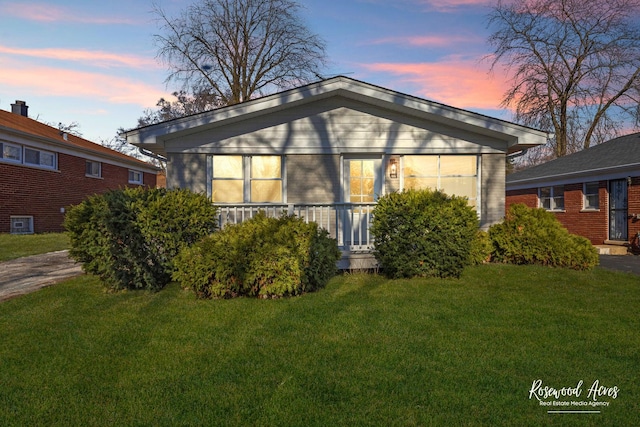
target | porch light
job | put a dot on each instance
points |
(393, 168)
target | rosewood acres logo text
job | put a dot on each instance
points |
(573, 399)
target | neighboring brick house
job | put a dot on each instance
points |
(44, 170)
(594, 193)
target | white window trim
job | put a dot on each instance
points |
(552, 198)
(478, 176)
(140, 181)
(28, 218)
(247, 179)
(11, 160)
(40, 153)
(99, 175)
(22, 149)
(584, 196)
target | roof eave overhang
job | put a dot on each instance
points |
(515, 136)
(79, 149)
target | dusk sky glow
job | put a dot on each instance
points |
(95, 62)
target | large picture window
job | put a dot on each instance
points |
(452, 174)
(239, 179)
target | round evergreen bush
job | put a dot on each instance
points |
(261, 257)
(535, 236)
(129, 237)
(424, 233)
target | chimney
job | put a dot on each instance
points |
(21, 108)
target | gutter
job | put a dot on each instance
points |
(576, 173)
(517, 154)
(152, 155)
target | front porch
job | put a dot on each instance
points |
(348, 223)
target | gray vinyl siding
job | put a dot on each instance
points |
(187, 171)
(313, 178)
(334, 126)
(493, 189)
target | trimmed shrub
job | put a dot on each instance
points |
(261, 257)
(535, 236)
(129, 237)
(423, 233)
(481, 248)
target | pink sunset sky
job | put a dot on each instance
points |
(94, 62)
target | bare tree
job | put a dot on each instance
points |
(575, 66)
(183, 105)
(238, 49)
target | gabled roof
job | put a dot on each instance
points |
(617, 155)
(32, 129)
(152, 137)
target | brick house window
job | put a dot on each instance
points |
(591, 199)
(551, 198)
(41, 158)
(16, 153)
(93, 169)
(135, 177)
(11, 152)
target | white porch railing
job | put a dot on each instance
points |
(348, 223)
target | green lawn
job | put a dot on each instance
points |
(363, 351)
(19, 245)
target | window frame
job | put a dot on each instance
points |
(91, 174)
(247, 179)
(19, 149)
(22, 159)
(552, 198)
(39, 162)
(585, 196)
(28, 218)
(438, 176)
(135, 181)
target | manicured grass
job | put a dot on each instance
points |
(363, 351)
(19, 245)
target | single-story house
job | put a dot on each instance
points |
(594, 193)
(329, 149)
(43, 170)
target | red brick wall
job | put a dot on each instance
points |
(528, 196)
(592, 224)
(42, 193)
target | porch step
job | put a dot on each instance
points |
(612, 249)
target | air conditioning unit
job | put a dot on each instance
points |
(21, 225)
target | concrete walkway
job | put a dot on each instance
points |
(28, 274)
